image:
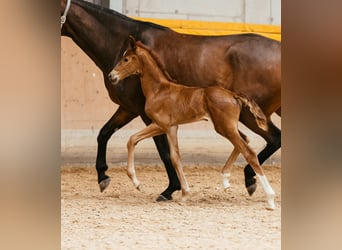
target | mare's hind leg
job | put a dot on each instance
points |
(151, 130)
(120, 118)
(176, 159)
(273, 139)
(229, 164)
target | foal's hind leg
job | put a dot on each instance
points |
(273, 139)
(252, 159)
(232, 134)
(229, 164)
(151, 130)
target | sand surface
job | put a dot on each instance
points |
(123, 218)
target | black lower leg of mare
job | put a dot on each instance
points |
(101, 165)
(164, 153)
(120, 118)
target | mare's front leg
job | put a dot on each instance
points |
(120, 118)
(151, 130)
(164, 153)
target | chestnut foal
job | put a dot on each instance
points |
(169, 104)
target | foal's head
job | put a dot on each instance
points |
(129, 64)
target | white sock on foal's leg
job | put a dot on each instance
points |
(225, 179)
(268, 190)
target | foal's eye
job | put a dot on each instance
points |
(125, 60)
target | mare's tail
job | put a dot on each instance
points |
(254, 108)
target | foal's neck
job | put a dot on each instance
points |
(153, 77)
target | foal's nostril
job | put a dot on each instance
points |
(113, 77)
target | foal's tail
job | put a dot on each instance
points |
(254, 108)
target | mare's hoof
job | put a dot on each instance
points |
(163, 198)
(139, 187)
(251, 189)
(104, 184)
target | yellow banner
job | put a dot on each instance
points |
(216, 28)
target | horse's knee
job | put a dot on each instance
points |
(104, 135)
(131, 142)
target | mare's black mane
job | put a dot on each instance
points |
(109, 12)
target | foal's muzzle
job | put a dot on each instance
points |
(114, 77)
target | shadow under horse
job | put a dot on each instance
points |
(245, 63)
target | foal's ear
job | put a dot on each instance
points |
(133, 42)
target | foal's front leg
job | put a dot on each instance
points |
(151, 130)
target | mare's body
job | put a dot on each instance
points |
(248, 64)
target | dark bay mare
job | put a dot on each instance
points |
(248, 63)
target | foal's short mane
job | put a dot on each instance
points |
(157, 59)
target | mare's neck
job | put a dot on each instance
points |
(153, 78)
(101, 34)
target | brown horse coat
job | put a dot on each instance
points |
(169, 104)
(246, 63)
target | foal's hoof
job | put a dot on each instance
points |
(251, 189)
(271, 205)
(270, 208)
(104, 184)
(139, 187)
(163, 198)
